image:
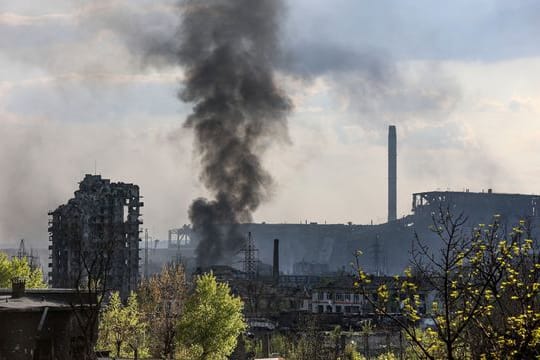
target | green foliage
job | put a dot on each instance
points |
(389, 356)
(162, 299)
(314, 344)
(487, 288)
(212, 320)
(19, 268)
(310, 345)
(121, 330)
(350, 353)
(278, 344)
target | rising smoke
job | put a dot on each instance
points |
(228, 49)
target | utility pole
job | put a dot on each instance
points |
(21, 253)
(146, 253)
(377, 256)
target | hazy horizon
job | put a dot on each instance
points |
(90, 86)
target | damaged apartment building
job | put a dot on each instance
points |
(95, 236)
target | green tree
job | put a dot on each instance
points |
(135, 327)
(350, 353)
(111, 337)
(19, 268)
(162, 299)
(310, 343)
(121, 329)
(366, 332)
(212, 320)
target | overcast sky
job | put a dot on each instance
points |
(93, 84)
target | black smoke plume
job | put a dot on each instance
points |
(228, 49)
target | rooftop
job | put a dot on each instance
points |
(7, 303)
(37, 299)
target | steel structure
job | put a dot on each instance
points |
(181, 236)
(251, 258)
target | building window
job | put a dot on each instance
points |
(339, 297)
(355, 309)
(348, 297)
(347, 309)
(328, 308)
(320, 309)
(338, 308)
(320, 295)
(356, 298)
(329, 296)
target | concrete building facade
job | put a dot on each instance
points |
(95, 236)
(42, 324)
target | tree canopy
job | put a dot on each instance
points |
(121, 329)
(19, 268)
(212, 320)
(162, 299)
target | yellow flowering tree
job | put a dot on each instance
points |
(510, 324)
(480, 291)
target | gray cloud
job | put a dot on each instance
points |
(82, 100)
(357, 46)
(145, 30)
(43, 161)
(377, 89)
(486, 30)
(115, 37)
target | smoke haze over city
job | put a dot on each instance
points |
(92, 87)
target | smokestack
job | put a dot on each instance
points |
(18, 286)
(392, 170)
(275, 267)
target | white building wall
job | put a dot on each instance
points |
(336, 302)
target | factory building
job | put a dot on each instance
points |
(478, 206)
(317, 249)
(95, 236)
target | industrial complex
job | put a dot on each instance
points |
(318, 249)
(282, 271)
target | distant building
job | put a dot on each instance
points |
(41, 324)
(479, 207)
(336, 296)
(310, 268)
(97, 233)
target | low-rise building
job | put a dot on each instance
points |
(337, 295)
(41, 324)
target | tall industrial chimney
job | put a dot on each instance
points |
(275, 267)
(392, 187)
